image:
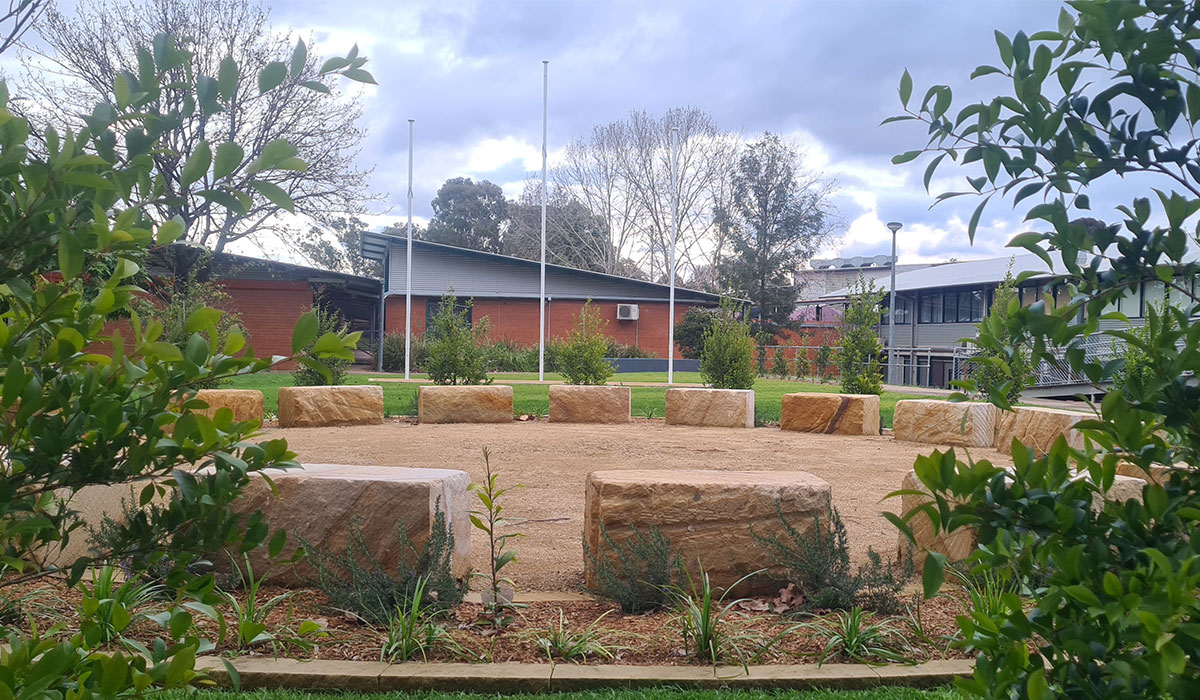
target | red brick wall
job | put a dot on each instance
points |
(269, 311)
(516, 320)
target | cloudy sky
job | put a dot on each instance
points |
(823, 73)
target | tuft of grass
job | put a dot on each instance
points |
(561, 643)
(848, 636)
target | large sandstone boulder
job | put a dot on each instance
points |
(465, 404)
(590, 404)
(1036, 428)
(318, 406)
(945, 423)
(708, 516)
(721, 408)
(833, 414)
(319, 504)
(246, 404)
(959, 544)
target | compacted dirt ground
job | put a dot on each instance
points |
(551, 463)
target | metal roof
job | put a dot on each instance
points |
(958, 274)
(375, 245)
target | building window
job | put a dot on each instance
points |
(432, 306)
(903, 311)
(1152, 295)
(950, 308)
(931, 308)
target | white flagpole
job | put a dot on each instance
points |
(671, 270)
(542, 295)
(408, 261)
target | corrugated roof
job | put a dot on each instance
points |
(958, 274)
(374, 246)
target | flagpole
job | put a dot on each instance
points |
(542, 294)
(408, 260)
(671, 270)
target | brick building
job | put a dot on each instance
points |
(506, 290)
(271, 296)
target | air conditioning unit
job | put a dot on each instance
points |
(627, 312)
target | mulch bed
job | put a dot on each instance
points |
(646, 639)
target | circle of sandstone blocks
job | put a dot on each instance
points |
(711, 518)
(945, 423)
(590, 404)
(719, 408)
(959, 544)
(832, 414)
(246, 404)
(465, 404)
(320, 503)
(320, 406)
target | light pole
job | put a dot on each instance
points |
(894, 226)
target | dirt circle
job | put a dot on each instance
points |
(551, 462)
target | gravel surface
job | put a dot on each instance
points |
(551, 462)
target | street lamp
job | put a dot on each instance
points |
(894, 226)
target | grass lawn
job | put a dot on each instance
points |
(400, 399)
(645, 694)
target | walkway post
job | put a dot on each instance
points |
(891, 373)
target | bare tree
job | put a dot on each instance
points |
(20, 16)
(92, 55)
(575, 236)
(622, 173)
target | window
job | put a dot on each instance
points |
(970, 306)
(1131, 302)
(931, 308)
(1152, 294)
(949, 307)
(432, 306)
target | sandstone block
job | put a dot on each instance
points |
(707, 515)
(318, 504)
(246, 404)
(942, 422)
(318, 406)
(721, 408)
(959, 544)
(590, 404)
(1036, 428)
(465, 404)
(832, 414)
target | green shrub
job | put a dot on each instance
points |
(728, 358)
(1137, 370)
(620, 350)
(779, 365)
(1003, 374)
(328, 321)
(393, 352)
(645, 568)
(580, 358)
(354, 580)
(691, 330)
(823, 361)
(818, 562)
(801, 367)
(456, 347)
(507, 356)
(858, 360)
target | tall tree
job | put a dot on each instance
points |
(469, 214)
(778, 216)
(574, 235)
(237, 198)
(20, 16)
(336, 247)
(622, 173)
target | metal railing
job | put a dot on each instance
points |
(1054, 371)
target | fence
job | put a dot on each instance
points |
(1053, 371)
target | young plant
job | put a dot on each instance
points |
(991, 593)
(108, 608)
(645, 567)
(861, 347)
(560, 642)
(847, 635)
(456, 344)
(250, 617)
(412, 632)
(581, 358)
(355, 581)
(489, 522)
(704, 619)
(823, 361)
(779, 364)
(727, 360)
